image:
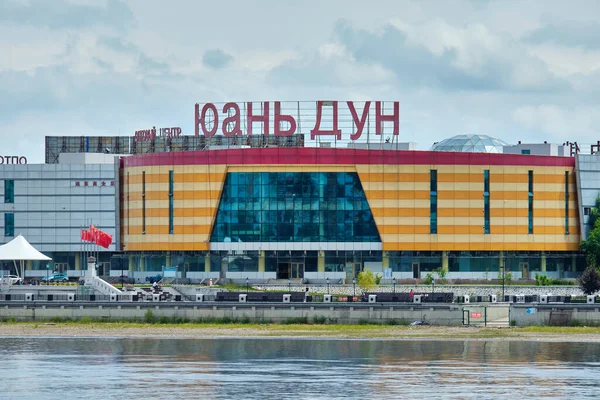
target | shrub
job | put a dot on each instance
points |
(365, 279)
(428, 278)
(441, 273)
(297, 320)
(542, 280)
(589, 281)
(377, 279)
(319, 319)
(149, 317)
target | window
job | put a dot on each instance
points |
(530, 204)
(9, 191)
(9, 224)
(143, 202)
(293, 207)
(525, 151)
(586, 210)
(433, 201)
(486, 201)
(566, 202)
(171, 184)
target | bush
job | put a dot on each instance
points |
(542, 280)
(428, 278)
(319, 319)
(366, 279)
(149, 317)
(441, 273)
(589, 281)
(297, 320)
(377, 279)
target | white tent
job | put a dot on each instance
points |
(20, 249)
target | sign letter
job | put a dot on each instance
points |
(394, 118)
(209, 106)
(360, 123)
(279, 118)
(233, 120)
(258, 118)
(317, 129)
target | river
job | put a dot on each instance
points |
(71, 368)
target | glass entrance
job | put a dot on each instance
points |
(352, 270)
(296, 270)
(524, 267)
(416, 268)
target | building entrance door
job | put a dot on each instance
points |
(416, 268)
(296, 270)
(352, 270)
(283, 271)
(525, 270)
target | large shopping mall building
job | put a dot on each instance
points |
(213, 206)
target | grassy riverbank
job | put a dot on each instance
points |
(237, 330)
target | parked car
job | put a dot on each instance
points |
(13, 279)
(56, 277)
(155, 278)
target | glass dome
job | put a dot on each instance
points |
(470, 144)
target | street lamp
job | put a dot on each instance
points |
(394, 282)
(354, 286)
(503, 269)
(47, 272)
(433, 285)
(121, 260)
(247, 285)
(327, 285)
(289, 285)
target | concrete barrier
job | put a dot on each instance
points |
(199, 296)
(372, 298)
(243, 297)
(326, 298)
(287, 298)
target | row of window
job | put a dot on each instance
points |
(486, 202)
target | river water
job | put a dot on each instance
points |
(71, 368)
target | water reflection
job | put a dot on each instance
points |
(283, 368)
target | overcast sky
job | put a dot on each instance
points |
(516, 70)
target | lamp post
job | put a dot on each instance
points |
(503, 269)
(354, 286)
(289, 285)
(433, 285)
(47, 271)
(394, 282)
(247, 285)
(327, 285)
(121, 274)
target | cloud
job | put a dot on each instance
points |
(61, 14)
(438, 55)
(583, 34)
(216, 58)
(570, 123)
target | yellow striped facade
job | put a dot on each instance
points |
(398, 195)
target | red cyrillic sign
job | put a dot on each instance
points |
(475, 314)
(322, 118)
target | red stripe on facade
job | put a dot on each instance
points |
(322, 156)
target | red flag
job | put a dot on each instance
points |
(83, 236)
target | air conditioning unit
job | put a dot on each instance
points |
(287, 298)
(494, 298)
(155, 297)
(591, 299)
(467, 299)
(70, 296)
(372, 298)
(417, 298)
(199, 296)
(544, 299)
(243, 297)
(113, 297)
(28, 296)
(326, 298)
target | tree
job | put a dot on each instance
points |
(591, 246)
(589, 281)
(366, 279)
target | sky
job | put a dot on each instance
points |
(511, 69)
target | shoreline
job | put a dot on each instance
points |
(300, 332)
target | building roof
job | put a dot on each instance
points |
(470, 144)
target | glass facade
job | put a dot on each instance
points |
(9, 190)
(171, 184)
(143, 202)
(294, 207)
(530, 204)
(486, 201)
(471, 144)
(433, 201)
(566, 202)
(9, 224)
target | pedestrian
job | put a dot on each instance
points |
(411, 294)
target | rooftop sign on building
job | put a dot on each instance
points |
(338, 119)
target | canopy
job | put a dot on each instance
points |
(20, 249)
